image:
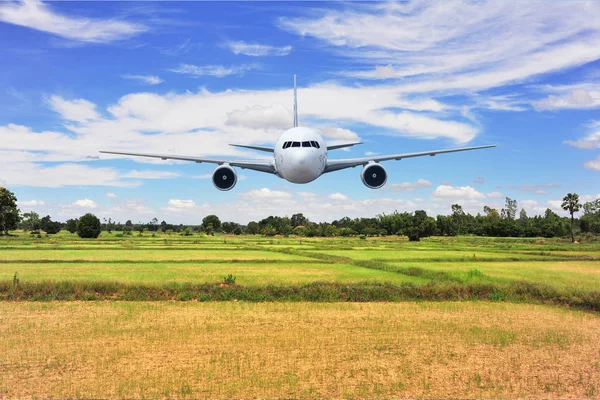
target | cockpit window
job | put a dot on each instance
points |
(295, 144)
(315, 144)
(306, 144)
(286, 145)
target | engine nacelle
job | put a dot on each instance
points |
(224, 177)
(373, 176)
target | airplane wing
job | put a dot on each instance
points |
(255, 165)
(336, 165)
(259, 148)
(341, 146)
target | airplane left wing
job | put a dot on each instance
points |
(336, 165)
(259, 148)
(255, 165)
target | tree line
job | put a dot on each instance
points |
(416, 225)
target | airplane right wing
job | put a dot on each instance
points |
(336, 165)
(255, 165)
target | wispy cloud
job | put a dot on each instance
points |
(79, 110)
(218, 71)
(257, 50)
(593, 164)
(149, 174)
(464, 42)
(147, 79)
(591, 140)
(577, 96)
(408, 186)
(178, 50)
(36, 15)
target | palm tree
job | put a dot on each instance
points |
(571, 203)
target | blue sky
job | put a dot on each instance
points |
(191, 77)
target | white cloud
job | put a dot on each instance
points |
(337, 197)
(132, 209)
(266, 195)
(198, 124)
(178, 206)
(30, 203)
(593, 164)
(147, 79)
(540, 188)
(370, 153)
(79, 110)
(36, 15)
(577, 96)
(307, 195)
(590, 141)
(439, 46)
(456, 192)
(177, 203)
(495, 195)
(218, 71)
(84, 203)
(315, 207)
(111, 195)
(258, 50)
(274, 116)
(408, 186)
(31, 174)
(339, 134)
(149, 174)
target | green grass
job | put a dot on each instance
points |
(493, 268)
(140, 254)
(247, 274)
(563, 274)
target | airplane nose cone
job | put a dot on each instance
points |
(302, 169)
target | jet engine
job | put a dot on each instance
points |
(373, 176)
(224, 177)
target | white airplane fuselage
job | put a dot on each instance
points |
(302, 161)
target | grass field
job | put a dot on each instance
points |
(511, 345)
(272, 350)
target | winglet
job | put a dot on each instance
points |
(295, 104)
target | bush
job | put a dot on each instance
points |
(89, 226)
(229, 280)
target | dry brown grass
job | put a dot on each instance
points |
(272, 350)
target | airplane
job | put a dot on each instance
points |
(299, 156)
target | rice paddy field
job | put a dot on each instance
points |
(154, 317)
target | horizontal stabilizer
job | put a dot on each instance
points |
(341, 146)
(259, 148)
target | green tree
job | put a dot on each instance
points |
(9, 213)
(49, 226)
(89, 226)
(458, 218)
(571, 204)
(511, 209)
(298, 220)
(72, 225)
(212, 220)
(31, 222)
(253, 228)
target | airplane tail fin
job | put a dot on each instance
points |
(295, 104)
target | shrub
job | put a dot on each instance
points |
(88, 226)
(229, 280)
